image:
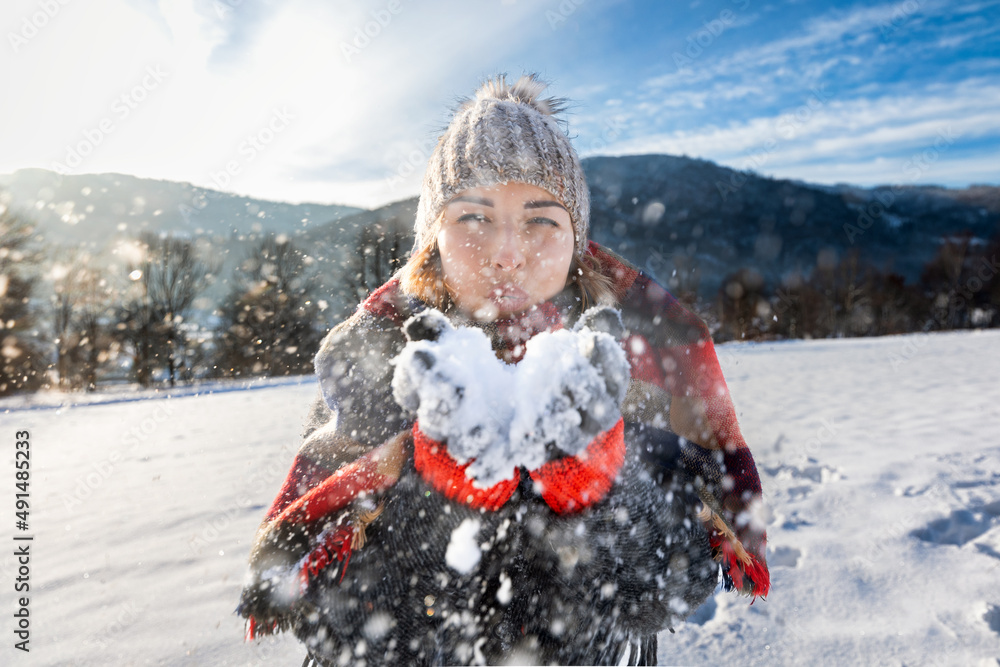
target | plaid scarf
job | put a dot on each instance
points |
(320, 515)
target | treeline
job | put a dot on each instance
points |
(135, 320)
(848, 296)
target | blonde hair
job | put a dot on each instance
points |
(423, 277)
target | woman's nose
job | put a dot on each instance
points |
(508, 253)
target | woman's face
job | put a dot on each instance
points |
(504, 248)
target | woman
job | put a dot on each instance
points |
(382, 548)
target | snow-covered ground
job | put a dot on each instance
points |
(880, 460)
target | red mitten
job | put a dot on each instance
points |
(447, 477)
(572, 483)
(567, 484)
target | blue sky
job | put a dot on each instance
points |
(293, 101)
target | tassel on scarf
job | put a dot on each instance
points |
(742, 571)
(376, 471)
(334, 545)
(255, 629)
(337, 545)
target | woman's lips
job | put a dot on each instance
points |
(508, 296)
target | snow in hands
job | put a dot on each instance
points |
(567, 389)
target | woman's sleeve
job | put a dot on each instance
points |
(354, 411)
(672, 355)
(351, 416)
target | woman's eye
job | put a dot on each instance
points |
(544, 221)
(472, 217)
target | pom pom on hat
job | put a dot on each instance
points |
(506, 132)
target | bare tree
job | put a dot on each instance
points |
(896, 307)
(270, 322)
(742, 306)
(22, 361)
(382, 249)
(81, 305)
(848, 287)
(166, 279)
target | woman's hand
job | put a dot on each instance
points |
(566, 391)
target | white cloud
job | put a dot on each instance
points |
(361, 124)
(366, 108)
(876, 132)
(792, 57)
(947, 169)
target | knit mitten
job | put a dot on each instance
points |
(491, 418)
(460, 393)
(571, 385)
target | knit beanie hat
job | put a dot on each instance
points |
(505, 133)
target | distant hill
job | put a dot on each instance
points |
(335, 246)
(691, 222)
(91, 208)
(666, 213)
(688, 222)
(97, 211)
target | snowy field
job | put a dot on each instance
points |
(880, 460)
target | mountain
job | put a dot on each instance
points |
(335, 247)
(692, 222)
(396, 217)
(688, 222)
(668, 214)
(98, 212)
(92, 208)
